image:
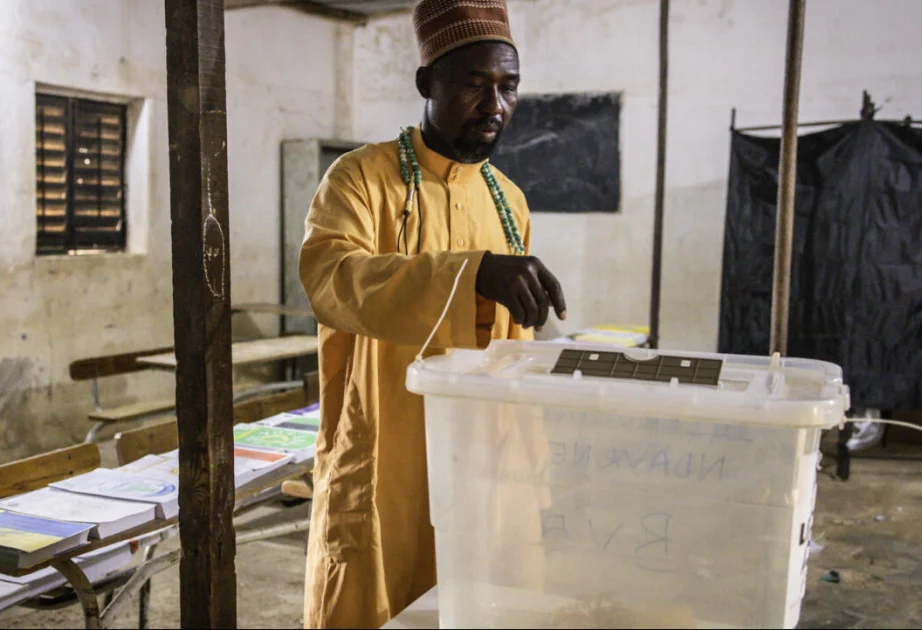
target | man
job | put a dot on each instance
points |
(392, 228)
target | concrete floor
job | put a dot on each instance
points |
(869, 528)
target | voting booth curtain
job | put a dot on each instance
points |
(856, 285)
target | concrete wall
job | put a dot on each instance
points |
(724, 54)
(55, 310)
(295, 76)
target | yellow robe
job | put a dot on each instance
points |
(371, 549)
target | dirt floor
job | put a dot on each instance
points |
(868, 527)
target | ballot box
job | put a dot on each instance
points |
(586, 486)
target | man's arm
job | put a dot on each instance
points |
(390, 297)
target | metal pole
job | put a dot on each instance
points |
(787, 176)
(656, 284)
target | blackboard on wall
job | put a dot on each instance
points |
(562, 151)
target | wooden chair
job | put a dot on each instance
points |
(37, 472)
(113, 365)
(155, 439)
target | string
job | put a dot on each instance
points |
(419, 233)
(451, 297)
(402, 233)
(898, 423)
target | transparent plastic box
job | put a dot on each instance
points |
(582, 500)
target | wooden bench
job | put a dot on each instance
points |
(37, 472)
(134, 581)
(252, 352)
(163, 437)
(243, 353)
(96, 368)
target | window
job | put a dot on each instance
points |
(80, 175)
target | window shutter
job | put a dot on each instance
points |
(52, 194)
(98, 176)
(80, 168)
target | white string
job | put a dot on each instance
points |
(451, 296)
(898, 423)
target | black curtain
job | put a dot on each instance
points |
(856, 285)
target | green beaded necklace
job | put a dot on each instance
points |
(408, 160)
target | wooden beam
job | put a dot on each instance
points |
(197, 114)
(787, 179)
(305, 6)
(659, 200)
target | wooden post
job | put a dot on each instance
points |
(197, 112)
(787, 179)
(656, 285)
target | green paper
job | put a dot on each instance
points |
(273, 438)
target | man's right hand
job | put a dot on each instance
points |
(523, 285)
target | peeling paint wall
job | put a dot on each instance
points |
(724, 54)
(296, 76)
(55, 310)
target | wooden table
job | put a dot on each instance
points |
(249, 352)
(150, 535)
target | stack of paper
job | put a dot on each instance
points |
(306, 419)
(251, 464)
(118, 484)
(624, 336)
(29, 540)
(107, 516)
(12, 593)
(104, 561)
(164, 466)
(300, 444)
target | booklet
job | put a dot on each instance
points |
(301, 444)
(11, 593)
(163, 466)
(296, 423)
(117, 484)
(251, 464)
(29, 540)
(304, 419)
(108, 516)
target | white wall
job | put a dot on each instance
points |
(55, 310)
(724, 54)
(291, 75)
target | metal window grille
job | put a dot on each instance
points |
(80, 175)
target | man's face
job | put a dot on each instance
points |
(471, 94)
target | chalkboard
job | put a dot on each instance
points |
(562, 151)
